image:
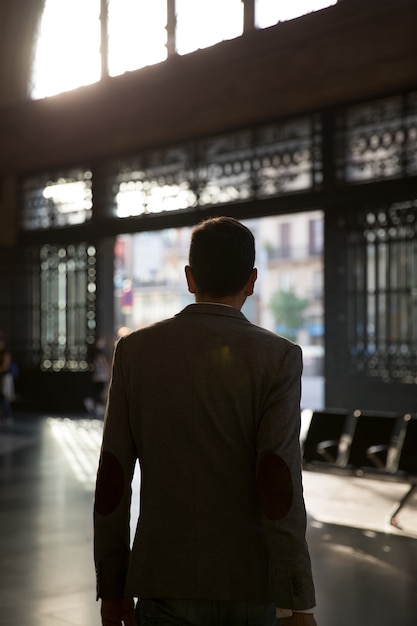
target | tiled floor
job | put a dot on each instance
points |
(365, 570)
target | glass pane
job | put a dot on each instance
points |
(270, 12)
(67, 51)
(202, 23)
(381, 298)
(62, 200)
(160, 181)
(149, 285)
(137, 34)
(67, 306)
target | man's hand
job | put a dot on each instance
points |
(118, 612)
(298, 619)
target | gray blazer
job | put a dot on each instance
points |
(210, 405)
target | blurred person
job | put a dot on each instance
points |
(210, 405)
(7, 390)
(100, 376)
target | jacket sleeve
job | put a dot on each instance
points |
(280, 488)
(113, 489)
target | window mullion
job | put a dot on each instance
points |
(248, 15)
(171, 27)
(104, 38)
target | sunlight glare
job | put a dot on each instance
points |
(68, 48)
(199, 26)
(80, 441)
(270, 12)
(67, 53)
(137, 34)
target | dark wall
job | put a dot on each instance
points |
(43, 391)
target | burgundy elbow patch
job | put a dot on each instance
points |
(275, 487)
(110, 484)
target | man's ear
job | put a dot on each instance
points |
(250, 285)
(190, 279)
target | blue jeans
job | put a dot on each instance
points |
(179, 612)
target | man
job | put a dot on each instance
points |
(210, 405)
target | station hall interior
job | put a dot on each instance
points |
(302, 124)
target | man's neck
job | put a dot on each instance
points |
(234, 301)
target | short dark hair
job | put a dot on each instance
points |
(222, 256)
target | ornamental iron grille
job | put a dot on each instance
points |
(246, 165)
(374, 141)
(64, 306)
(159, 181)
(382, 293)
(377, 140)
(59, 201)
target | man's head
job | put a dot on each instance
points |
(221, 258)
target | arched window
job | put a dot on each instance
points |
(79, 42)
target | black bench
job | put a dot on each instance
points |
(364, 443)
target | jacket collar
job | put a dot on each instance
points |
(208, 308)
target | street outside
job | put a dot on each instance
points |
(312, 392)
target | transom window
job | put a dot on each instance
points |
(269, 161)
(57, 201)
(377, 140)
